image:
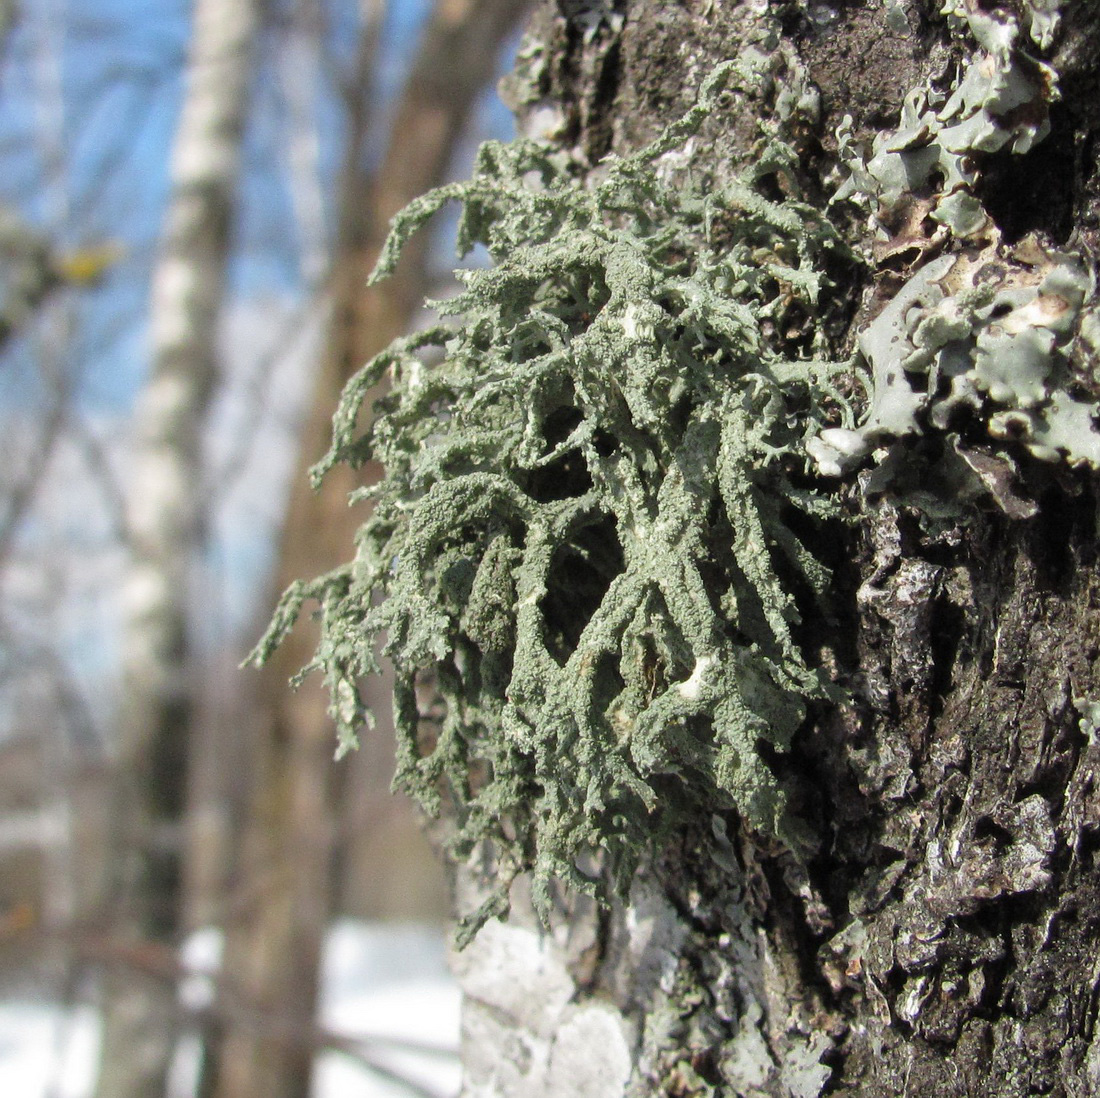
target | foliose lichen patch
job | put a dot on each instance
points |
(930, 166)
(981, 346)
(582, 545)
(984, 340)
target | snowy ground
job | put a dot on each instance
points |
(386, 988)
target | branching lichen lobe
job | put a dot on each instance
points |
(580, 521)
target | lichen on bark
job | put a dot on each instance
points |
(936, 939)
(583, 532)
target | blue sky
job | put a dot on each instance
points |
(120, 82)
(89, 97)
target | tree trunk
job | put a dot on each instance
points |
(941, 938)
(166, 527)
(279, 912)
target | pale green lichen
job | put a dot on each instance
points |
(583, 551)
(986, 338)
(931, 164)
(1089, 719)
(981, 347)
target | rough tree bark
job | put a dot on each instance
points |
(279, 912)
(944, 937)
(165, 521)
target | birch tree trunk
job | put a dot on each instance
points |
(166, 524)
(277, 917)
(943, 937)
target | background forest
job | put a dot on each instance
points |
(191, 197)
(194, 894)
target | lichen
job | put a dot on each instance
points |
(585, 550)
(980, 339)
(1089, 720)
(930, 165)
(980, 347)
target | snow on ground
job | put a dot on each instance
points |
(391, 983)
(386, 991)
(45, 1051)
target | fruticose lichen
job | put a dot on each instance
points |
(584, 553)
(980, 347)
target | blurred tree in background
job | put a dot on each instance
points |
(275, 933)
(171, 338)
(164, 519)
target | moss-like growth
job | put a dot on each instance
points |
(582, 545)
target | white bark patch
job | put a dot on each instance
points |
(521, 1035)
(162, 506)
(590, 1057)
(518, 972)
(175, 288)
(145, 594)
